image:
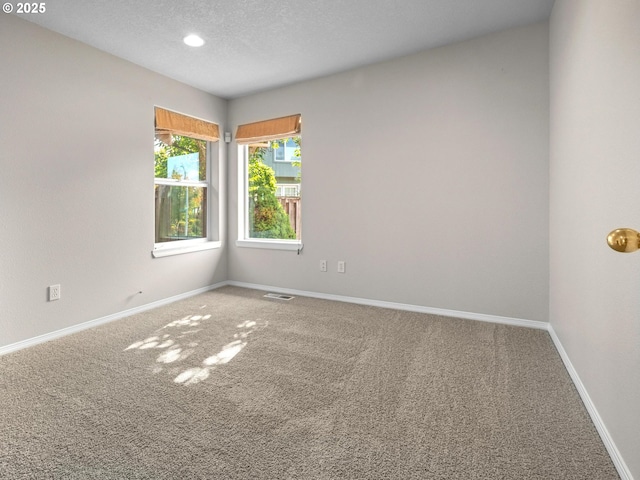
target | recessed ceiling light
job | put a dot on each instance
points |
(193, 41)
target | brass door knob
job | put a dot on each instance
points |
(624, 240)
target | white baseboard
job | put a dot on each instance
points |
(327, 296)
(614, 453)
(399, 306)
(100, 321)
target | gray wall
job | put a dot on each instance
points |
(427, 174)
(76, 183)
(595, 172)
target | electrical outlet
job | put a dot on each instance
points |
(54, 292)
(341, 266)
(323, 265)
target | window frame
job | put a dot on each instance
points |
(212, 205)
(243, 239)
(252, 133)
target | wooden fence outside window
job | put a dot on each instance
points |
(291, 206)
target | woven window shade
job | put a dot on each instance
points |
(168, 122)
(269, 129)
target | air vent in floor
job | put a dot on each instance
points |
(279, 296)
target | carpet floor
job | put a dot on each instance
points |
(231, 385)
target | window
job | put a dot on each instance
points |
(285, 151)
(268, 217)
(182, 180)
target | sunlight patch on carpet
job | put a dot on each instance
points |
(180, 345)
(226, 354)
(192, 376)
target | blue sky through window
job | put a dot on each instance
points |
(186, 166)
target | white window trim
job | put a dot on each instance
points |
(270, 243)
(243, 214)
(179, 247)
(194, 246)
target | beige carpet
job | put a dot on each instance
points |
(230, 385)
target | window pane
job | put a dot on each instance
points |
(270, 213)
(184, 167)
(180, 209)
(180, 213)
(181, 158)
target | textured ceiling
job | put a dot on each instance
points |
(254, 45)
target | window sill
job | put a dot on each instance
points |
(178, 250)
(292, 245)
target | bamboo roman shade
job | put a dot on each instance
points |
(269, 129)
(168, 122)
